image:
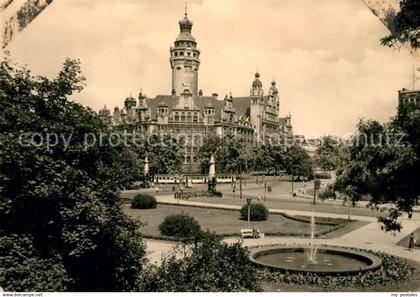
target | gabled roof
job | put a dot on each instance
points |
(240, 104)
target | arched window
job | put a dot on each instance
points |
(188, 159)
(182, 116)
(181, 53)
(176, 116)
(189, 117)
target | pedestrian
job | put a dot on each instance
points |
(411, 242)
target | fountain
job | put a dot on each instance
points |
(314, 258)
(311, 249)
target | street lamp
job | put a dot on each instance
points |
(265, 191)
(292, 179)
(240, 185)
(317, 186)
(248, 201)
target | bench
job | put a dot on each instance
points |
(247, 233)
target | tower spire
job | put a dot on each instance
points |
(186, 10)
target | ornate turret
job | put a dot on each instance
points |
(185, 24)
(185, 60)
(256, 89)
(273, 90)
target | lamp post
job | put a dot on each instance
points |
(265, 191)
(240, 185)
(292, 179)
(248, 201)
(317, 185)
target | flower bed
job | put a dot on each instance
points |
(188, 195)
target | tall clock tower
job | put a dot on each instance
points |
(185, 60)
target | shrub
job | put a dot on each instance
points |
(258, 212)
(179, 225)
(211, 265)
(328, 193)
(143, 201)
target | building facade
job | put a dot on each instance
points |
(190, 116)
(406, 96)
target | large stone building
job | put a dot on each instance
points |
(406, 96)
(187, 113)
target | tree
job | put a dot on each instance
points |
(384, 162)
(297, 162)
(405, 26)
(164, 154)
(232, 155)
(61, 222)
(208, 266)
(330, 153)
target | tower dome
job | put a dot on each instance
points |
(273, 89)
(185, 24)
(257, 83)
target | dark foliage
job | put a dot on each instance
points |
(383, 163)
(258, 212)
(179, 225)
(210, 265)
(405, 26)
(143, 201)
(61, 223)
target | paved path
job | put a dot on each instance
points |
(369, 236)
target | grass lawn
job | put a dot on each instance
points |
(228, 223)
(404, 242)
(295, 204)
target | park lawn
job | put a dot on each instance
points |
(296, 204)
(228, 223)
(404, 242)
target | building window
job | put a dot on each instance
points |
(189, 117)
(188, 159)
(181, 53)
(176, 54)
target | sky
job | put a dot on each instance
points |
(325, 55)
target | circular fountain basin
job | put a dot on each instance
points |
(328, 260)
